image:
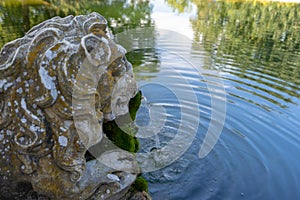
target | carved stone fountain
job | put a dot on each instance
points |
(42, 153)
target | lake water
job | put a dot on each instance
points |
(230, 70)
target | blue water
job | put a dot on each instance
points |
(256, 154)
(254, 158)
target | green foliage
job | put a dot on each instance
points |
(256, 37)
(179, 5)
(249, 38)
(17, 17)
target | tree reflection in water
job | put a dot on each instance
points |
(17, 17)
(257, 42)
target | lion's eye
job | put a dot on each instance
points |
(127, 64)
(118, 67)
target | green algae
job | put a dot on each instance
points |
(122, 133)
(140, 184)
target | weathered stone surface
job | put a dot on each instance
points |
(42, 149)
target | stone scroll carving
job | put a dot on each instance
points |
(40, 148)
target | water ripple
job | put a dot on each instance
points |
(260, 129)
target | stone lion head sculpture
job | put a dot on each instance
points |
(47, 78)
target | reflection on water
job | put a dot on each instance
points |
(256, 49)
(145, 63)
(17, 17)
(258, 44)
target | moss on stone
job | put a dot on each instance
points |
(134, 104)
(123, 135)
(120, 138)
(140, 184)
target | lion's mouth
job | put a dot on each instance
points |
(119, 132)
(114, 137)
